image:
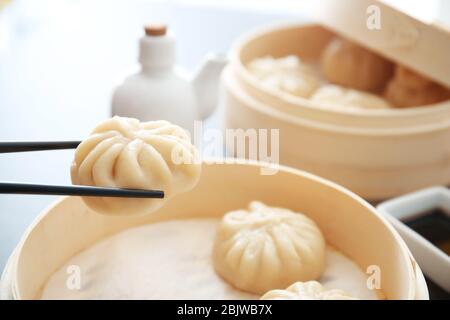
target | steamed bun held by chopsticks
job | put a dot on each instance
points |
(349, 65)
(126, 153)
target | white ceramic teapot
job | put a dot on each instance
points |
(161, 90)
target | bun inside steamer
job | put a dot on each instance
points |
(311, 290)
(347, 64)
(265, 248)
(351, 77)
(408, 89)
(338, 97)
(287, 74)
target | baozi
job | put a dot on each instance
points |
(311, 290)
(336, 97)
(126, 153)
(408, 89)
(287, 74)
(265, 248)
(349, 65)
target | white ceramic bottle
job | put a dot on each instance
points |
(162, 91)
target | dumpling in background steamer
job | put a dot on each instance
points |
(287, 74)
(408, 89)
(336, 97)
(311, 290)
(265, 248)
(126, 153)
(349, 65)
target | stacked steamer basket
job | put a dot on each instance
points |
(376, 153)
(228, 186)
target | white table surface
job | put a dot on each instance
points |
(58, 65)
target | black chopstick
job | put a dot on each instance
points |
(87, 191)
(21, 146)
(43, 189)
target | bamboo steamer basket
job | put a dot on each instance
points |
(349, 223)
(375, 153)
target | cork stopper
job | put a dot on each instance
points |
(155, 30)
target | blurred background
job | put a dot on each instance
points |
(60, 59)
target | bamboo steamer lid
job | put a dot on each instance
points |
(423, 47)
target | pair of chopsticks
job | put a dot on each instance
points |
(88, 191)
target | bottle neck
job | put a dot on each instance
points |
(154, 70)
(157, 52)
